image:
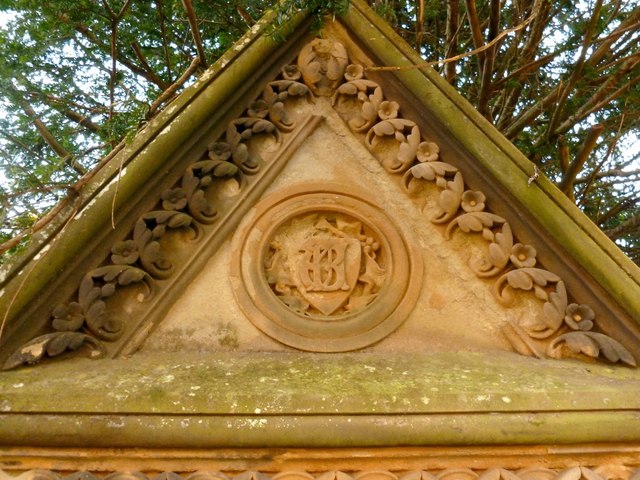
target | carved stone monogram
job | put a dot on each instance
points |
(325, 264)
(322, 268)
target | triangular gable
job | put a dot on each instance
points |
(207, 169)
(420, 138)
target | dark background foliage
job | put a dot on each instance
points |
(558, 78)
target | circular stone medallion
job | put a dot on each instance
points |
(320, 267)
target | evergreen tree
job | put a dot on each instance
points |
(558, 78)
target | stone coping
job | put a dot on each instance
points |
(294, 399)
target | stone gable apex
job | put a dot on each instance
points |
(322, 184)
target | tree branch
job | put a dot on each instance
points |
(193, 23)
(489, 58)
(630, 225)
(576, 69)
(165, 43)
(48, 137)
(169, 92)
(453, 20)
(419, 24)
(143, 61)
(566, 185)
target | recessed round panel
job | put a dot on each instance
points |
(320, 267)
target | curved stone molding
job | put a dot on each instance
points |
(562, 328)
(321, 267)
(85, 324)
(400, 148)
(534, 473)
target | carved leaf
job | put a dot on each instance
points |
(458, 474)
(292, 476)
(521, 279)
(424, 171)
(478, 222)
(572, 473)
(131, 275)
(592, 344)
(498, 251)
(418, 475)
(498, 474)
(375, 475)
(537, 473)
(450, 198)
(553, 310)
(383, 128)
(334, 475)
(51, 344)
(349, 88)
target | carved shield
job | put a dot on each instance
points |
(327, 271)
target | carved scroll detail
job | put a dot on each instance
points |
(186, 206)
(400, 148)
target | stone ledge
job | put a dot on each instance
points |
(293, 399)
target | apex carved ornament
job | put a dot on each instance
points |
(324, 268)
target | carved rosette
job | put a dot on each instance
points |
(320, 267)
(335, 272)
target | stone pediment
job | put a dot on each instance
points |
(317, 203)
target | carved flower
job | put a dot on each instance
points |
(523, 256)
(125, 253)
(219, 151)
(258, 109)
(68, 318)
(388, 110)
(473, 201)
(174, 199)
(579, 317)
(291, 72)
(427, 152)
(354, 72)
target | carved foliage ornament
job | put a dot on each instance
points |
(568, 327)
(189, 207)
(308, 281)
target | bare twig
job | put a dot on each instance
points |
(453, 20)
(169, 92)
(193, 23)
(476, 31)
(566, 185)
(628, 226)
(165, 42)
(143, 61)
(487, 67)
(577, 69)
(248, 20)
(419, 24)
(457, 57)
